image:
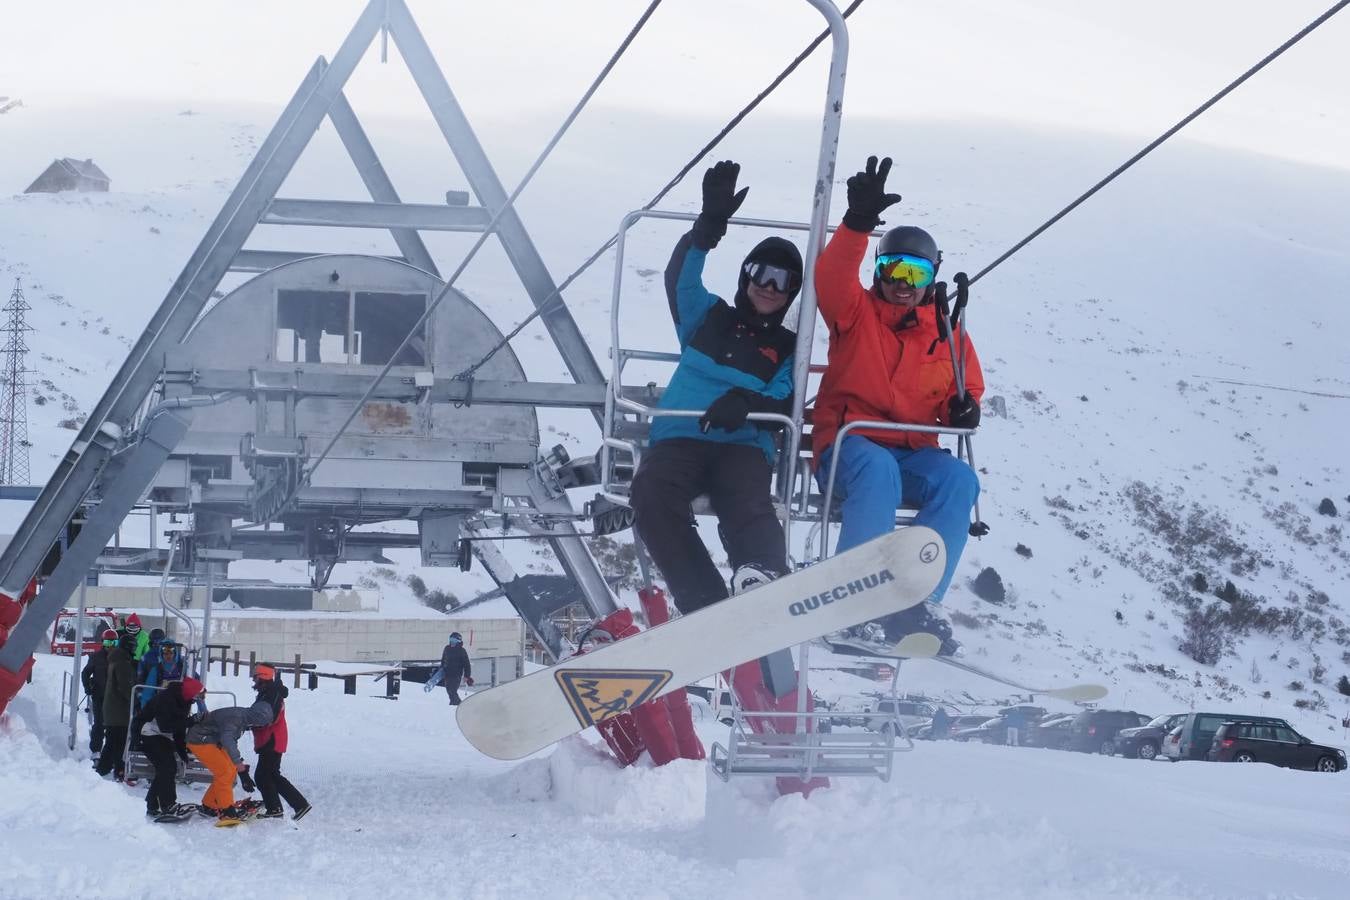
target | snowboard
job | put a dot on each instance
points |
(434, 681)
(889, 573)
(176, 818)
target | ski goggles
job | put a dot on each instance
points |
(914, 271)
(110, 644)
(764, 275)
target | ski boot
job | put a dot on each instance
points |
(879, 638)
(750, 576)
(769, 684)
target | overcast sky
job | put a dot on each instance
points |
(1129, 67)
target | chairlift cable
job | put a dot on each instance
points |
(488, 230)
(556, 296)
(1153, 145)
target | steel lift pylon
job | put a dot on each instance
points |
(118, 450)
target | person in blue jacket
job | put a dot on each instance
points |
(162, 663)
(735, 359)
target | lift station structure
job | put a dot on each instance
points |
(221, 413)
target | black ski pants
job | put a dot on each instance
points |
(451, 683)
(96, 727)
(162, 795)
(273, 785)
(736, 478)
(114, 743)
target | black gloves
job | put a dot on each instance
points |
(727, 412)
(720, 202)
(246, 781)
(963, 412)
(867, 197)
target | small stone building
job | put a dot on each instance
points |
(70, 175)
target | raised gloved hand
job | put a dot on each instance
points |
(720, 202)
(727, 412)
(963, 412)
(468, 679)
(867, 197)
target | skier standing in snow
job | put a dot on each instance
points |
(214, 739)
(735, 359)
(94, 677)
(270, 742)
(116, 710)
(455, 666)
(160, 729)
(889, 360)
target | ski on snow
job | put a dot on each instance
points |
(887, 574)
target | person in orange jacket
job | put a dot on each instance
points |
(890, 361)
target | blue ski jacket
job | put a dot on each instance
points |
(723, 347)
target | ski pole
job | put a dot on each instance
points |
(956, 321)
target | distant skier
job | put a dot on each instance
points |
(116, 711)
(94, 677)
(270, 741)
(455, 666)
(160, 731)
(888, 361)
(941, 724)
(735, 359)
(214, 739)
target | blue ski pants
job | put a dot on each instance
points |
(874, 480)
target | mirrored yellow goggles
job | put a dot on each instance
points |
(914, 271)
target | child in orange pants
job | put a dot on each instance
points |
(215, 741)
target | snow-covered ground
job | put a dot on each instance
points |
(404, 807)
(1173, 349)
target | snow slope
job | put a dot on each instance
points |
(409, 809)
(1174, 348)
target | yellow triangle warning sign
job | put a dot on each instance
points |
(598, 694)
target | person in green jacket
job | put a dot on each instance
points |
(134, 638)
(116, 711)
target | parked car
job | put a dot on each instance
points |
(958, 723)
(1052, 732)
(1094, 730)
(911, 713)
(1192, 738)
(1145, 741)
(995, 730)
(1278, 745)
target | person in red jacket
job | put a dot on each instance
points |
(270, 741)
(890, 361)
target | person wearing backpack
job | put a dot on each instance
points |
(270, 742)
(160, 731)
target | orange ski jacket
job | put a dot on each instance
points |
(885, 363)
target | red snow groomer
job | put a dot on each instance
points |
(96, 621)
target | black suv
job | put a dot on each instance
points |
(1145, 741)
(1094, 731)
(1278, 745)
(1192, 737)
